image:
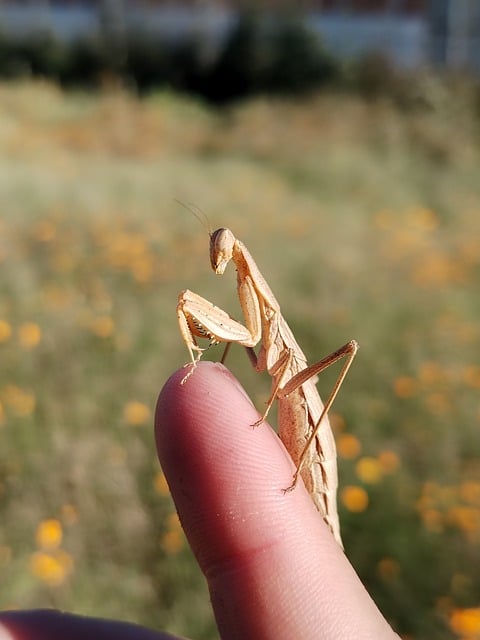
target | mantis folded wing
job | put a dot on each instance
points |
(303, 422)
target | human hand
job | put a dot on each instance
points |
(272, 566)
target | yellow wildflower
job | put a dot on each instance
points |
(466, 622)
(69, 514)
(172, 541)
(405, 386)
(354, 498)
(369, 470)
(388, 569)
(21, 402)
(143, 268)
(423, 218)
(29, 335)
(389, 461)
(5, 330)
(160, 484)
(45, 231)
(467, 519)
(433, 520)
(173, 521)
(49, 534)
(62, 260)
(102, 326)
(348, 446)
(470, 492)
(471, 376)
(431, 373)
(51, 568)
(437, 269)
(136, 413)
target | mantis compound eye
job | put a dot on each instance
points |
(222, 242)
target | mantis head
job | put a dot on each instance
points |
(222, 242)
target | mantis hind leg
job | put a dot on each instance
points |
(348, 351)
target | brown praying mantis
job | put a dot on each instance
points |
(304, 427)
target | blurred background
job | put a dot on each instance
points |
(340, 141)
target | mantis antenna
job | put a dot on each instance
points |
(200, 215)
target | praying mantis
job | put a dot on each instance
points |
(303, 424)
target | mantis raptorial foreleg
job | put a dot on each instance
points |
(198, 317)
(303, 421)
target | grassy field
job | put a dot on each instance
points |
(366, 221)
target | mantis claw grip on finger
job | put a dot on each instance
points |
(303, 422)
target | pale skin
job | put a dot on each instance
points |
(273, 569)
(303, 422)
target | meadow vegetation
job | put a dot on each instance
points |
(365, 218)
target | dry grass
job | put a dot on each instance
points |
(365, 221)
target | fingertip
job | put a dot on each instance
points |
(193, 417)
(220, 469)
